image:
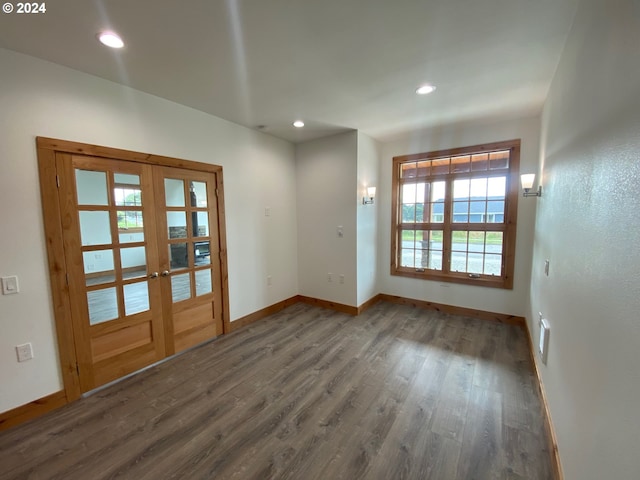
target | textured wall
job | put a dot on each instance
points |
(588, 226)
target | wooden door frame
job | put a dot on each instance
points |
(46, 152)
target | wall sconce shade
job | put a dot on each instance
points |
(527, 180)
(371, 193)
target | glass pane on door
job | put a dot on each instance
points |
(203, 282)
(103, 305)
(91, 187)
(174, 192)
(94, 228)
(180, 287)
(136, 297)
(98, 267)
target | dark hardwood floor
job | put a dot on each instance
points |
(395, 393)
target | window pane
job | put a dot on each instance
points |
(200, 222)
(174, 192)
(180, 287)
(497, 187)
(424, 168)
(440, 167)
(95, 228)
(495, 212)
(479, 188)
(200, 191)
(177, 224)
(493, 242)
(103, 305)
(492, 264)
(408, 170)
(435, 240)
(476, 241)
(459, 241)
(475, 263)
(136, 298)
(203, 282)
(131, 236)
(460, 212)
(98, 267)
(460, 164)
(91, 187)
(437, 191)
(437, 212)
(479, 162)
(420, 213)
(134, 262)
(458, 261)
(127, 197)
(461, 189)
(499, 160)
(409, 213)
(130, 219)
(126, 178)
(406, 258)
(409, 193)
(477, 212)
(202, 253)
(178, 256)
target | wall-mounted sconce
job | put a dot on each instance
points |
(527, 180)
(371, 194)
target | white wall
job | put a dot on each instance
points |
(42, 99)
(588, 226)
(327, 198)
(368, 165)
(514, 302)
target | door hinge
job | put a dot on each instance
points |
(58, 181)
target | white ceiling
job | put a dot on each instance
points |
(336, 64)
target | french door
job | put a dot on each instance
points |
(142, 259)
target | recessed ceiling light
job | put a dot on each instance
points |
(425, 89)
(298, 124)
(110, 39)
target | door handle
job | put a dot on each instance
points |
(153, 275)
(165, 273)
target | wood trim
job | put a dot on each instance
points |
(551, 433)
(51, 214)
(262, 313)
(222, 242)
(338, 307)
(77, 148)
(451, 152)
(453, 310)
(369, 303)
(32, 410)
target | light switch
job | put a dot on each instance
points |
(10, 285)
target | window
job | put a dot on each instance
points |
(129, 195)
(454, 214)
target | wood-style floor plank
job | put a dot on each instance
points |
(395, 393)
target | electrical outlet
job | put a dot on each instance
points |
(24, 352)
(342, 278)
